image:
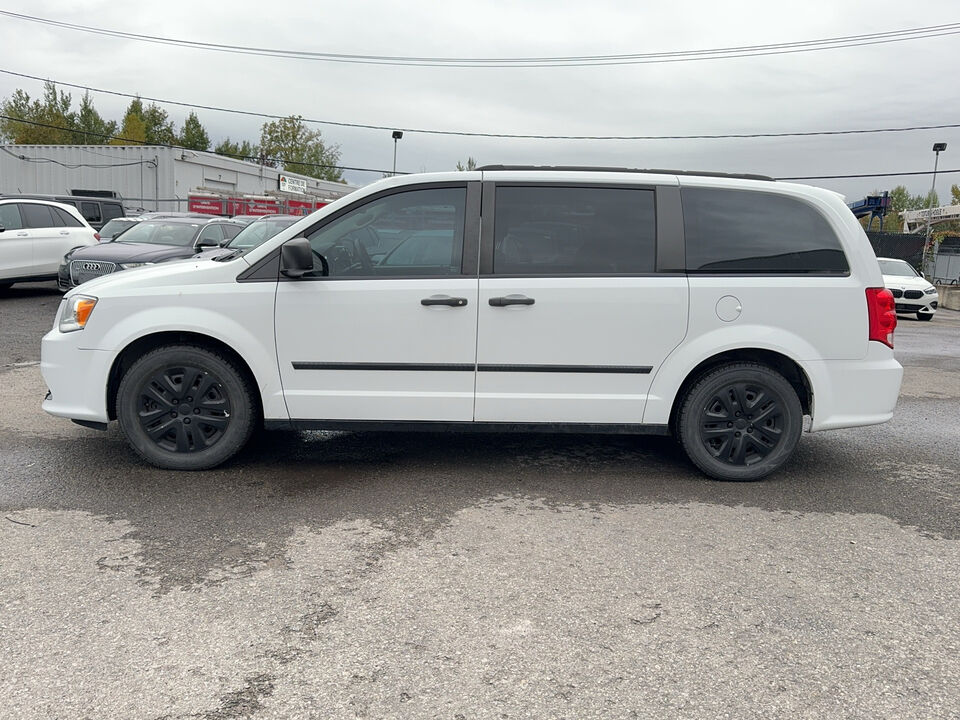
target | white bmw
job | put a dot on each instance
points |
(911, 292)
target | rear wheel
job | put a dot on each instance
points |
(183, 407)
(740, 421)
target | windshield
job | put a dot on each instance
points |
(258, 232)
(115, 227)
(158, 232)
(897, 267)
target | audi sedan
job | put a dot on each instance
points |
(146, 243)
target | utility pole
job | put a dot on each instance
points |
(397, 134)
(927, 250)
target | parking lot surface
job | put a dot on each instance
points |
(340, 575)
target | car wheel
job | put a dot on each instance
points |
(183, 407)
(740, 421)
(4, 287)
(924, 316)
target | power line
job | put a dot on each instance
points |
(72, 166)
(133, 141)
(830, 43)
(464, 133)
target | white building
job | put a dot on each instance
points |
(163, 178)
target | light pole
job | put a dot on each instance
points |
(397, 134)
(937, 149)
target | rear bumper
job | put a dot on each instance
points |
(852, 393)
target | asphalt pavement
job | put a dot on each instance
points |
(345, 575)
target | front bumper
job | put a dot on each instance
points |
(924, 305)
(76, 378)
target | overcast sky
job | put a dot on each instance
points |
(892, 85)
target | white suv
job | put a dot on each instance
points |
(721, 309)
(34, 237)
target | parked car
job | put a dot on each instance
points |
(146, 243)
(911, 292)
(255, 233)
(719, 309)
(34, 235)
(96, 211)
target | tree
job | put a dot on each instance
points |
(46, 121)
(299, 149)
(899, 199)
(159, 128)
(955, 194)
(471, 165)
(90, 127)
(242, 151)
(193, 135)
(132, 132)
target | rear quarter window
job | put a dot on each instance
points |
(38, 216)
(748, 232)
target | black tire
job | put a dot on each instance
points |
(719, 432)
(4, 286)
(925, 316)
(183, 407)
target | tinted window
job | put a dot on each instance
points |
(738, 231)
(90, 211)
(10, 217)
(111, 211)
(584, 231)
(66, 218)
(413, 233)
(231, 231)
(211, 232)
(37, 216)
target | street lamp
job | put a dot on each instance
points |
(397, 134)
(937, 149)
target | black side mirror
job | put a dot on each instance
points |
(207, 242)
(296, 258)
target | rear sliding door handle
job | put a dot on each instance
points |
(444, 300)
(511, 300)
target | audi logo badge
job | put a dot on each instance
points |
(90, 266)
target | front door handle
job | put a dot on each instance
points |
(22, 234)
(64, 232)
(444, 300)
(511, 300)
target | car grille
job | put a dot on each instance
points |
(83, 270)
(913, 294)
(897, 292)
(908, 307)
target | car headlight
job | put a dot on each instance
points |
(76, 313)
(930, 291)
(130, 266)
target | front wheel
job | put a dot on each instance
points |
(740, 421)
(183, 407)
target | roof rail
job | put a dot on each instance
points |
(652, 171)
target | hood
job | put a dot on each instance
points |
(193, 271)
(905, 283)
(125, 252)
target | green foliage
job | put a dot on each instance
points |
(471, 165)
(901, 199)
(159, 128)
(133, 131)
(90, 127)
(955, 194)
(298, 149)
(241, 151)
(52, 115)
(193, 135)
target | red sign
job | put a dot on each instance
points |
(206, 205)
(262, 207)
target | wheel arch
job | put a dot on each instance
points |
(784, 365)
(144, 344)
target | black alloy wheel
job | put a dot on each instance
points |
(740, 422)
(185, 407)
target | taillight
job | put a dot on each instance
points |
(97, 236)
(882, 311)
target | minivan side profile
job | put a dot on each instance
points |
(721, 309)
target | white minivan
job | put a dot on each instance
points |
(721, 309)
(34, 237)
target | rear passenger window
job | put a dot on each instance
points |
(574, 231)
(111, 211)
(10, 217)
(90, 211)
(737, 231)
(37, 216)
(66, 218)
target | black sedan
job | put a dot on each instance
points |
(146, 243)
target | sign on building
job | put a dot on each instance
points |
(292, 184)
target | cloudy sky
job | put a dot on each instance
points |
(891, 85)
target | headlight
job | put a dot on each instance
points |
(130, 266)
(930, 291)
(76, 313)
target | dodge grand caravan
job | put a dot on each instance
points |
(719, 309)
